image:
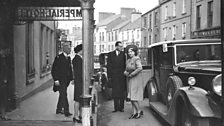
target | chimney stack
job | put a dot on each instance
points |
(126, 12)
(135, 16)
(104, 15)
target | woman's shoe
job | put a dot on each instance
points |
(141, 112)
(4, 118)
(77, 120)
(133, 116)
(139, 115)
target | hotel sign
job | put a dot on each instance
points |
(48, 13)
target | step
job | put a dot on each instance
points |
(159, 107)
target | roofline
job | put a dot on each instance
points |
(151, 10)
(105, 24)
(184, 41)
(129, 23)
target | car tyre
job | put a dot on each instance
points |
(173, 84)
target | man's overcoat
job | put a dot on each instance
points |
(116, 67)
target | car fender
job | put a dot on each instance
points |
(197, 101)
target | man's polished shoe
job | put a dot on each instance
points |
(77, 120)
(115, 111)
(122, 110)
(59, 112)
(68, 114)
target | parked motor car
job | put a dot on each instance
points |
(185, 87)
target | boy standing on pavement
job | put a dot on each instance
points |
(116, 67)
(62, 75)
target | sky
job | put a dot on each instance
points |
(114, 6)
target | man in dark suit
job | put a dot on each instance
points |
(116, 67)
(62, 75)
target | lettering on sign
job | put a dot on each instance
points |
(49, 13)
(207, 33)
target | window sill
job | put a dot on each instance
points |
(43, 74)
(183, 13)
(30, 78)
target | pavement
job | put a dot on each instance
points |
(39, 110)
(107, 118)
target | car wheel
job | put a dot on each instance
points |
(173, 84)
(187, 119)
(152, 90)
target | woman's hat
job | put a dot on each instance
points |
(78, 48)
(134, 48)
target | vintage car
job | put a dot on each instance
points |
(185, 86)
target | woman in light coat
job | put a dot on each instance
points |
(135, 89)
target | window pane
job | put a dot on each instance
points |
(29, 51)
(188, 53)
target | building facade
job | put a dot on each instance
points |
(131, 33)
(31, 49)
(34, 54)
(206, 17)
(107, 31)
(150, 27)
(175, 20)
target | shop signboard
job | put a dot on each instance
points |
(48, 13)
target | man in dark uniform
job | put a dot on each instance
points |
(62, 75)
(116, 67)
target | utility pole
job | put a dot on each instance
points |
(87, 22)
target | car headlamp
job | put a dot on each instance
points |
(217, 84)
(191, 81)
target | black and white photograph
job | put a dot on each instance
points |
(111, 63)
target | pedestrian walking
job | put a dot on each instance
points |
(62, 75)
(4, 73)
(116, 67)
(78, 83)
(135, 87)
(104, 78)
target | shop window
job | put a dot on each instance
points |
(45, 49)
(30, 69)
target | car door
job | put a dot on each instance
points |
(165, 68)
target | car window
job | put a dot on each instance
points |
(186, 53)
(145, 56)
(166, 57)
